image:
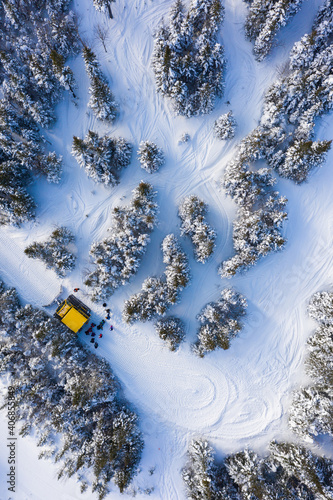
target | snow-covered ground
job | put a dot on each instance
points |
(234, 398)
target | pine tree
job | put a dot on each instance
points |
(199, 474)
(192, 213)
(188, 62)
(220, 322)
(102, 157)
(159, 294)
(224, 126)
(171, 330)
(118, 257)
(54, 251)
(150, 156)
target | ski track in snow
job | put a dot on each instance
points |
(236, 397)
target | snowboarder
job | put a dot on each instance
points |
(92, 340)
(111, 327)
(92, 325)
(87, 332)
(108, 316)
(93, 334)
(108, 311)
(76, 289)
(105, 304)
(100, 335)
(96, 345)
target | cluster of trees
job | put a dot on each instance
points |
(290, 471)
(264, 19)
(257, 230)
(37, 38)
(68, 398)
(188, 62)
(220, 322)
(224, 126)
(101, 99)
(102, 157)
(150, 156)
(159, 294)
(311, 412)
(284, 139)
(293, 103)
(192, 213)
(171, 330)
(55, 252)
(118, 257)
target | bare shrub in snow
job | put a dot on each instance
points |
(54, 252)
(224, 126)
(220, 322)
(150, 156)
(192, 212)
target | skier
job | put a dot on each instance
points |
(105, 304)
(96, 345)
(92, 340)
(111, 327)
(93, 334)
(76, 289)
(100, 335)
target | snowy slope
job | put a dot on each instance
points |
(233, 398)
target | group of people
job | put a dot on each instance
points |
(99, 327)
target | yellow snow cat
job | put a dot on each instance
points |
(73, 313)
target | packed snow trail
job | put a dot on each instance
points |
(234, 398)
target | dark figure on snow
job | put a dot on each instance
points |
(105, 304)
(111, 327)
(92, 340)
(93, 334)
(96, 345)
(100, 335)
(76, 289)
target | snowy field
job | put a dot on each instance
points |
(234, 398)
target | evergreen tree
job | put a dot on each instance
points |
(150, 156)
(220, 322)
(188, 62)
(171, 330)
(54, 251)
(199, 475)
(102, 157)
(192, 212)
(118, 257)
(224, 126)
(159, 294)
(101, 98)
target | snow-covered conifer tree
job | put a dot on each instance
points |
(157, 295)
(55, 252)
(118, 257)
(188, 61)
(192, 212)
(224, 126)
(150, 156)
(171, 330)
(220, 322)
(102, 157)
